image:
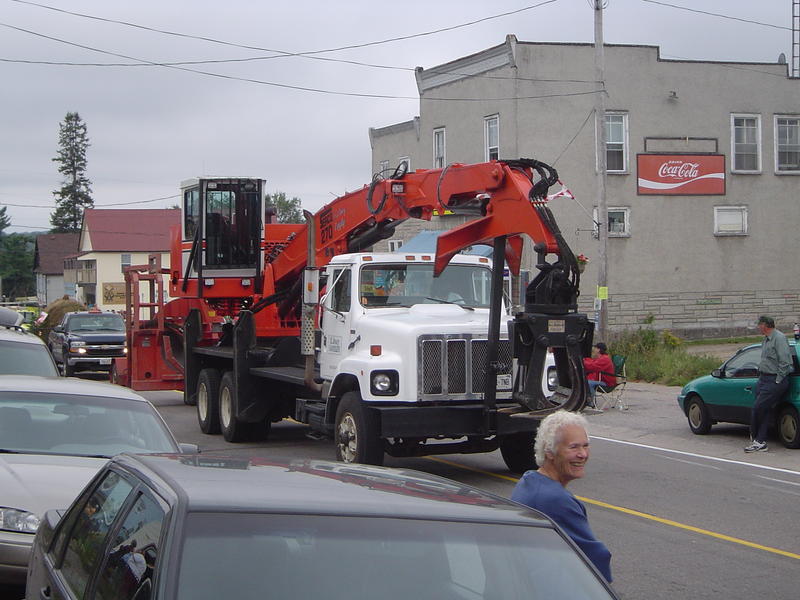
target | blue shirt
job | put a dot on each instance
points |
(550, 497)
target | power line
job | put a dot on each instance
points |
(285, 85)
(96, 205)
(283, 53)
(712, 14)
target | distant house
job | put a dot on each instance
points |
(48, 264)
(112, 239)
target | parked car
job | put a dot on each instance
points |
(203, 527)
(22, 353)
(728, 394)
(55, 434)
(87, 341)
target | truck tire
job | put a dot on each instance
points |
(234, 429)
(517, 451)
(356, 432)
(69, 371)
(208, 401)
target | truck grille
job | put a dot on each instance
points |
(104, 350)
(452, 367)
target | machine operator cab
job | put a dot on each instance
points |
(222, 226)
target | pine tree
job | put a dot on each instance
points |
(5, 220)
(75, 194)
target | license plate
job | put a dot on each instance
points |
(105, 361)
(504, 382)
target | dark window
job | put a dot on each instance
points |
(132, 556)
(341, 291)
(744, 364)
(91, 528)
(191, 212)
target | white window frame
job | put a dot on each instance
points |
(742, 210)
(439, 160)
(776, 118)
(122, 262)
(625, 145)
(491, 152)
(625, 210)
(407, 160)
(757, 118)
(383, 167)
(395, 245)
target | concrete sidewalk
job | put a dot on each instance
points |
(654, 418)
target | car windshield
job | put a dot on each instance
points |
(22, 358)
(49, 423)
(407, 284)
(350, 558)
(96, 322)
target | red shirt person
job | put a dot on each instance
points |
(599, 368)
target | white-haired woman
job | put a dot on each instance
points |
(562, 450)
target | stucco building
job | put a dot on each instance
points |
(703, 183)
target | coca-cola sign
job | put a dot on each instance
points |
(681, 174)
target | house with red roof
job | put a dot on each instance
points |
(112, 239)
(48, 264)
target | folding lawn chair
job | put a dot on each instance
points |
(609, 396)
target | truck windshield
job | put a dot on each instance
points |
(98, 322)
(406, 284)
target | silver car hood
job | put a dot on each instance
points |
(39, 482)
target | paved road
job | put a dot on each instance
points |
(685, 516)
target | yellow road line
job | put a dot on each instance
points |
(637, 513)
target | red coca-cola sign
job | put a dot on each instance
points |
(681, 174)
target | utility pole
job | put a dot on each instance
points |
(601, 296)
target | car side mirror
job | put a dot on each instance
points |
(717, 373)
(189, 448)
(58, 329)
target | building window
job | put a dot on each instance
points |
(730, 220)
(787, 144)
(746, 143)
(491, 136)
(619, 224)
(395, 245)
(438, 148)
(383, 167)
(124, 261)
(404, 160)
(616, 142)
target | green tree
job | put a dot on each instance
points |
(16, 265)
(75, 194)
(5, 220)
(288, 211)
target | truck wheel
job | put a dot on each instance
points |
(517, 451)
(208, 401)
(69, 370)
(789, 427)
(356, 432)
(233, 428)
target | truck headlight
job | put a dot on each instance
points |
(384, 383)
(20, 521)
(77, 349)
(552, 379)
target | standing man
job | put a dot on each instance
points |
(773, 382)
(562, 449)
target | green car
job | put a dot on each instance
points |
(728, 394)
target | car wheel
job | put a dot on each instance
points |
(697, 415)
(208, 401)
(233, 429)
(356, 432)
(789, 427)
(517, 451)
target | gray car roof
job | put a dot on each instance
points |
(19, 336)
(306, 486)
(66, 385)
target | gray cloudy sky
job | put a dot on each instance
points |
(152, 126)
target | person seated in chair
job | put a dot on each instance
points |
(599, 369)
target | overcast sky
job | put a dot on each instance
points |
(152, 126)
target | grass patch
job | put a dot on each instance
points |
(660, 357)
